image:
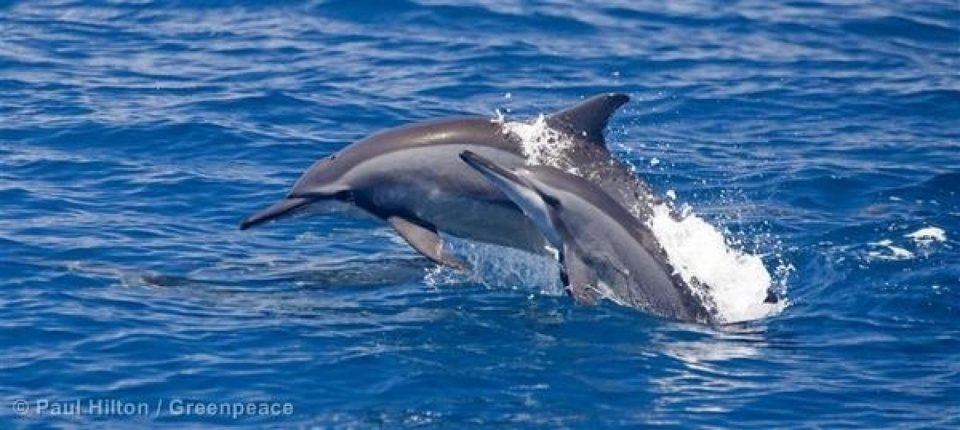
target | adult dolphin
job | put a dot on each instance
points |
(605, 250)
(412, 178)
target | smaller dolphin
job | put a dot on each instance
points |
(605, 251)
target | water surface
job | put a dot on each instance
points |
(134, 136)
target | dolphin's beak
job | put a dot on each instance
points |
(279, 209)
(305, 190)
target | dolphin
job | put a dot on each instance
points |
(605, 251)
(411, 177)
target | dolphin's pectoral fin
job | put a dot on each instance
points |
(590, 117)
(426, 241)
(579, 279)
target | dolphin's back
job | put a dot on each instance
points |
(475, 131)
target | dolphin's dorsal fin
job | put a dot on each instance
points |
(589, 118)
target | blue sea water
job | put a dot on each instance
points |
(134, 136)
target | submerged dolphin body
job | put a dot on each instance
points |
(606, 251)
(412, 178)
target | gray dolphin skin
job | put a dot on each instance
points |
(412, 177)
(605, 250)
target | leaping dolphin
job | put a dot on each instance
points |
(412, 178)
(606, 251)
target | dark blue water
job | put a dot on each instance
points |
(135, 135)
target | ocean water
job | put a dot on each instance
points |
(821, 137)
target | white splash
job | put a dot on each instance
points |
(888, 251)
(927, 235)
(738, 282)
(498, 267)
(542, 145)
